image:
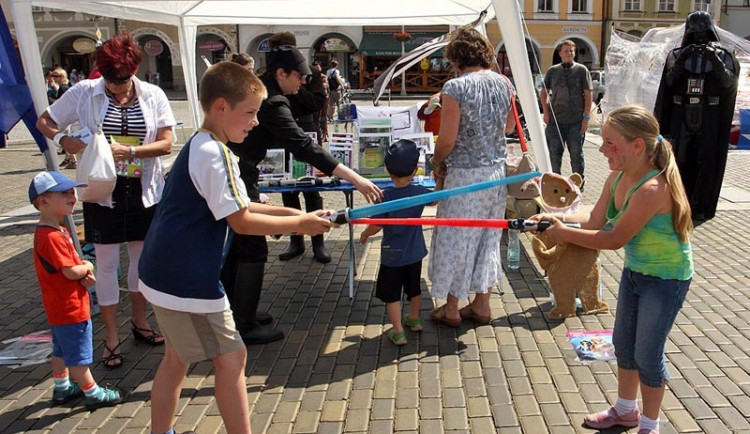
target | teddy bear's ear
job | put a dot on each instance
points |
(576, 179)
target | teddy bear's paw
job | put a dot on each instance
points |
(597, 308)
(557, 313)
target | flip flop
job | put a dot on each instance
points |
(467, 312)
(438, 315)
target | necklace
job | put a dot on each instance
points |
(118, 101)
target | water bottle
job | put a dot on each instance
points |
(514, 249)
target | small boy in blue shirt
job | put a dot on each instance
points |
(403, 247)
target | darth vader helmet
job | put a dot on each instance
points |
(699, 29)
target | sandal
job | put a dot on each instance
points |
(152, 338)
(397, 338)
(467, 312)
(112, 361)
(65, 162)
(415, 324)
(439, 316)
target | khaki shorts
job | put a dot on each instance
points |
(198, 336)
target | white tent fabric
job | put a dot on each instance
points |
(187, 15)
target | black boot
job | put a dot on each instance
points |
(228, 276)
(296, 248)
(248, 284)
(319, 250)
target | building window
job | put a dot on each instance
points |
(546, 6)
(579, 6)
(700, 5)
(632, 5)
(666, 6)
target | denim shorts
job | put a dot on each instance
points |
(646, 309)
(73, 343)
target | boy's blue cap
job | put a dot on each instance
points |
(50, 181)
(402, 157)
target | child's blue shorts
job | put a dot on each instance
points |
(73, 343)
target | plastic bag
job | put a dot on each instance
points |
(96, 168)
(516, 165)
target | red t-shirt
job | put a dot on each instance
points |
(65, 301)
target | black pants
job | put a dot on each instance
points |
(313, 200)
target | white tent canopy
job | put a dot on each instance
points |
(188, 15)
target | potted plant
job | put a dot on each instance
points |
(402, 36)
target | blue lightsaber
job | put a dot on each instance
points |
(346, 215)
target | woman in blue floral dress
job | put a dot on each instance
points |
(470, 149)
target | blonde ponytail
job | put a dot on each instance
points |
(663, 159)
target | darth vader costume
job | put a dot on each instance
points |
(694, 106)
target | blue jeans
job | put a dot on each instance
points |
(646, 309)
(570, 136)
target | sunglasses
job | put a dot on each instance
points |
(121, 80)
(55, 75)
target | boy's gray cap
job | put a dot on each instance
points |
(402, 157)
(50, 181)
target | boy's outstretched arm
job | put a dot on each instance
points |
(257, 223)
(369, 231)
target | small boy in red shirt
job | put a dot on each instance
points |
(63, 278)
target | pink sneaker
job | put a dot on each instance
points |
(603, 420)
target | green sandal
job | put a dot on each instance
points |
(398, 338)
(414, 324)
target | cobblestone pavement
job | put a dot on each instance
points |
(335, 373)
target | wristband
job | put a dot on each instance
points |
(132, 152)
(59, 137)
(586, 118)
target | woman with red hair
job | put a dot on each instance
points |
(138, 119)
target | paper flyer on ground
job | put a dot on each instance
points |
(593, 345)
(31, 349)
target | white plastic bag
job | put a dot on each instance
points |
(96, 168)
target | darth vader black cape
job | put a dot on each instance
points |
(694, 106)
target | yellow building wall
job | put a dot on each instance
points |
(547, 33)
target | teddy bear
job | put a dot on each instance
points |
(570, 268)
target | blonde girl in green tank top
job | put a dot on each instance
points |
(642, 207)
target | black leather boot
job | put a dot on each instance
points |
(248, 284)
(319, 250)
(296, 248)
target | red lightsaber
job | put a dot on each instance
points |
(520, 224)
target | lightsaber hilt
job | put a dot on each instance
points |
(339, 217)
(531, 225)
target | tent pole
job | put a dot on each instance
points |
(515, 45)
(32, 61)
(187, 55)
